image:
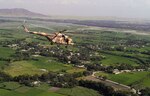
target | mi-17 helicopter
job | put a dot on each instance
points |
(57, 37)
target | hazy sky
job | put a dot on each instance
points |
(116, 8)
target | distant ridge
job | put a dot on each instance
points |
(19, 12)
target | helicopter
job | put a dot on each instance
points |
(57, 37)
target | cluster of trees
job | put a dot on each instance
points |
(145, 62)
(25, 50)
(69, 81)
(65, 56)
(147, 52)
(135, 43)
(109, 69)
(18, 56)
(5, 59)
(63, 80)
(5, 77)
(145, 92)
(102, 88)
(85, 53)
(55, 79)
(77, 57)
(118, 45)
(95, 67)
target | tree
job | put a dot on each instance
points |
(145, 92)
(5, 77)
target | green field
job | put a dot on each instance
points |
(38, 92)
(4, 92)
(102, 74)
(22, 67)
(2, 64)
(135, 79)
(114, 60)
(10, 85)
(50, 64)
(73, 70)
(78, 91)
(6, 52)
(35, 67)
(15, 89)
(31, 92)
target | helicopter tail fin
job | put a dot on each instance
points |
(25, 28)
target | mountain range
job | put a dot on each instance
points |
(20, 12)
